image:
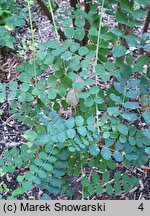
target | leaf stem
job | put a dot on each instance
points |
(96, 57)
(33, 41)
(82, 173)
(55, 26)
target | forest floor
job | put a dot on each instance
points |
(11, 132)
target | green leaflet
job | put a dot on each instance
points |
(123, 129)
(118, 51)
(106, 153)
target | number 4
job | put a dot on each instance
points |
(141, 207)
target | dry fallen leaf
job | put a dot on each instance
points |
(72, 97)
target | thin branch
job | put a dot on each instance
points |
(96, 58)
(147, 21)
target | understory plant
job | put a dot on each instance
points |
(86, 104)
(10, 18)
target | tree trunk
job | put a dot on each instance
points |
(147, 21)
(73, 3)
(48, 14)
(145, 28)
(127, 30)
(87, 5)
